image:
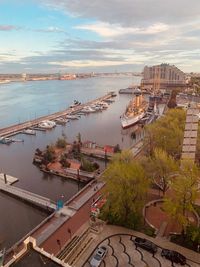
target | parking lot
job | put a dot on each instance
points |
(122, 252)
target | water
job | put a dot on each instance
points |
(24, 101)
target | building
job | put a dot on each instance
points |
(162, 77)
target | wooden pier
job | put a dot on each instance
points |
(28, 196)
(18, 128)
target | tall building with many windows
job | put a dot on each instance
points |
(162, 76)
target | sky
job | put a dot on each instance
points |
(51, 36)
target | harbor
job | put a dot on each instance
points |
(19, 128)
(16, 159)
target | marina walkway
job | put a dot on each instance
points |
(28, 196)
(18, 128)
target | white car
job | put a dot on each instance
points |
(98, 256)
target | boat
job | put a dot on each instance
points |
(29, 131)
(135, 111)
(61, 121)
(5, 140)
(72, 117)
(47, 124)
(130, 90)
(88, 109)
(76, 103)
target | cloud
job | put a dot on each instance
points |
(109, 30)
(130, 13)
(51, 29)
(9, 28)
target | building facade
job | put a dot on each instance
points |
(162, 76)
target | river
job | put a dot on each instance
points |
(28, 100)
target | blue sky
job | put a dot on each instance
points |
(99, 35)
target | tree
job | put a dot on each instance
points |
(61, 143)
(184, 193)
(79, 138)
(193, 234)
(126, 188)
(64, 162)
(167, 133)
(49, 154)
(161, 168)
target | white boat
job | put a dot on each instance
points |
(29, 131)
(47, 124)
(61, 121)
(88, 109)
(135, 111)
(72, 117)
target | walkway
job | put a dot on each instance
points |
(122, 250)
(190, 134)
(27, 196)
(15, 129)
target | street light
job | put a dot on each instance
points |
(70, 232)
(59, 243)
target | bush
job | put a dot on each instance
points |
(49, 154)
(61, 143)
(86, 165)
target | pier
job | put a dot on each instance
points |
(28, 196)
(18, 128)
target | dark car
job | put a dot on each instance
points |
(173, 256)
(145, 244)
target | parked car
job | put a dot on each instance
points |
(173, 256)
(145, 244)
(98, 256)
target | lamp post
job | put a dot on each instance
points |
(59, 243)
(70, 232)
(105, 157)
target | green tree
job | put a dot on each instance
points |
(166, 133)
(184, 193)
(161, 168)
(64, 162)
(61, 143)
(49, 154)
(126, 188)
(193, 234)
(79, 138)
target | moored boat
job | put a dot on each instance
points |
(47, 124)
(61, 121)
(135, 111)
(5, 140)
(29, 131)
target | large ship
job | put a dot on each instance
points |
(135, 111)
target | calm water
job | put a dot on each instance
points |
(23, 101)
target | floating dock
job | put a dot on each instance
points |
(27, 196)
(8, 178)
(18, 128)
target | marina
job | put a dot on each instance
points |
(46, 122)
(97, 126)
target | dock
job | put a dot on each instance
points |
(8, 178)
(18, 128)
(27, 196)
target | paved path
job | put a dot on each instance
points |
(122, 250)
